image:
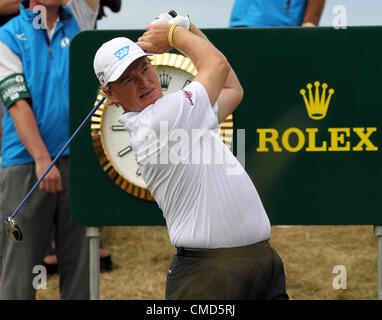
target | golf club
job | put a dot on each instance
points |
(13, 229)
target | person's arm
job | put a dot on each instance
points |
(85, 14)
(213, 68)
(11, 71)
(93, 4)
(232, 92)
(9, 7)
(28, 132)
(313, 12)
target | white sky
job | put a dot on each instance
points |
(135, 14)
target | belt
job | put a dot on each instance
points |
(201, 252)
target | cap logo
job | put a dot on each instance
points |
(101, 77)
(121, 53)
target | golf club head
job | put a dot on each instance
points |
(13, 230)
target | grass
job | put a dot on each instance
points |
(141, 257)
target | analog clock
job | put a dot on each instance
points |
(111, 141)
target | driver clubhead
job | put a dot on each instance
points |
(13, 230)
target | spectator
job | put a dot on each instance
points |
(8, 10)
(1, 128)
(276, 13)
(34, 66)
(1, 134)
(106, 263)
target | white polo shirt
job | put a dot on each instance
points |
(207, 198)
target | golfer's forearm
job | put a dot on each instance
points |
(313, 11)
(230, 96)
(196, 31)
(27, 130)
(232, 92)
(213, 68)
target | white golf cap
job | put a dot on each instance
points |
(114, 57)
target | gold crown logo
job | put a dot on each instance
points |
(317, 106)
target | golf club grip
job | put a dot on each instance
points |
(59, 155)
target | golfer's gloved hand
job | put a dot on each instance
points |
(162, 18)
(181, 21)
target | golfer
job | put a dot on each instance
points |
(213, 212)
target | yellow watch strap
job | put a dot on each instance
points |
(170, 35)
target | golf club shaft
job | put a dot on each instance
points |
(59, 155)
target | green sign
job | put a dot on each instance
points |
(311, 118)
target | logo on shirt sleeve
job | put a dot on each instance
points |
(13, 88)
(188, 95)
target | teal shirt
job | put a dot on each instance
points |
(46, 73)
(267, 13)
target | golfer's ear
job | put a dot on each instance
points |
(110, 95)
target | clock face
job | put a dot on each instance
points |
(111, 141)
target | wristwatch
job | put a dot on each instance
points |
(111, 141)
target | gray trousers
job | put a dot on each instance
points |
(41, 211)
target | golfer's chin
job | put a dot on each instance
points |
(150, 98)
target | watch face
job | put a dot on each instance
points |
(111, 141)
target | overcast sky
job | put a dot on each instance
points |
(135, 14)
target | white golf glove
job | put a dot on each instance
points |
(162, 18)
(181, 21)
